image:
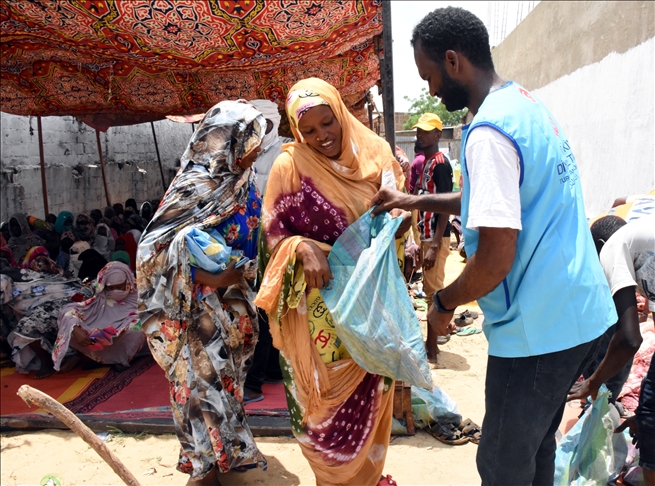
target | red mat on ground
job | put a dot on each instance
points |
(274, 402)
(145, 391)
(62, 387)
(141, 391)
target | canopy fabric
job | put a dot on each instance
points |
(115, 62)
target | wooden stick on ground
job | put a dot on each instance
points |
(33, 396)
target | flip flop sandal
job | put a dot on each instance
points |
(471, 314)
(447, 434)
(467, 331)
(471, 430)
(463, 320)
(443, 339)
(253, 400)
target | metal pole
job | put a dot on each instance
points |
(44, 186)
(161, 169)
(102, 167)
(386, 75)
(370, 116)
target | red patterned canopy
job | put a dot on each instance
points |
(114, 62)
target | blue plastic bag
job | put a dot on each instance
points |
(368, 300)
(591, 453)
(207, 250)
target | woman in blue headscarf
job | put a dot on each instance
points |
(64, 222)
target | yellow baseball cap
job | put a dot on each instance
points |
(428, 122)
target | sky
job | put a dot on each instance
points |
(406, 14)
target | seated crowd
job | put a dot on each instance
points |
(68, 288)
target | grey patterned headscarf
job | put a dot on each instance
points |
(197, 198)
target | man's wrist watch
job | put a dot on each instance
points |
(439, 306)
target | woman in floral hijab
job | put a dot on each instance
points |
(104, 327)
(202, 326)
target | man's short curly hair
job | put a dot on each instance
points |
(454, 29)
(603, 229)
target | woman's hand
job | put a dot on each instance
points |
(81, 337)
(405, 225)
(315, 264)
(226, 278)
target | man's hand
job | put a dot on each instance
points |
(430, 256)
(81, 337)
(387, 199)
(439, 321)
(633, 424)
(315, 265)
(582, 390)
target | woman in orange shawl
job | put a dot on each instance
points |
(320, 184)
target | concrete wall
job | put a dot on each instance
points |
(73, 172)
(592, 64)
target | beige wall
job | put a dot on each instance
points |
(593, 65)
(557, 38)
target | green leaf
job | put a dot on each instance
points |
(429, 104)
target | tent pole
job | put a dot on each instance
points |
(44, 186)
(161, 169)
(102, 167)
(370, 116)
(387, 77)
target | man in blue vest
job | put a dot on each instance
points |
(532, 263)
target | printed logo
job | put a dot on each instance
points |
(526, 94)
(567, 170)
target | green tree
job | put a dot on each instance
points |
(428, 104)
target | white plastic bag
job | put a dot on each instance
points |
(591, 453)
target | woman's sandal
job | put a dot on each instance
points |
(447, 433)
(471, 430)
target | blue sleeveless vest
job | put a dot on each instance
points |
(556, 295)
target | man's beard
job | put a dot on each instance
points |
(454, 95)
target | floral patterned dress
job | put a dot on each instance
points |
(211, 424)
(204, 338)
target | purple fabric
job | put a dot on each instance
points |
(345, 432)
(416, 170)
(307, 213)
(100, 312)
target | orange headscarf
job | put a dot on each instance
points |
(347, 183)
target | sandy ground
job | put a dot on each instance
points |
(26, 458)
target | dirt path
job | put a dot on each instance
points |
(417, 460)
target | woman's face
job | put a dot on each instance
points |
(120, 286)
(322, 131)
(248, 160)
(102, 231)
(14, 227)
